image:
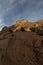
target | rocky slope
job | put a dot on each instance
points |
(20, 48)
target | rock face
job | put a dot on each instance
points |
(20, 48)
(26, 25)
(22, 24)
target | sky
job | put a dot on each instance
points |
(12, 10)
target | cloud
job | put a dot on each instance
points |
(2, 24)
(12, 10)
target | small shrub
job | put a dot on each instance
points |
(34, 29)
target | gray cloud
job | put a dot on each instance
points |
(12, 10)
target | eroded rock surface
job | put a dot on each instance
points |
(20, 48)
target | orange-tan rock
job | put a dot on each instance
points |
(22, 24)
(26, 24)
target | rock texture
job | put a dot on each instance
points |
(20, 48)
(27, 25)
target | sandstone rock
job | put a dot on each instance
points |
(21, 48)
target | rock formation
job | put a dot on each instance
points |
(21, 47)
(26, 25)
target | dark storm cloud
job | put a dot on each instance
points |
(12, 10)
